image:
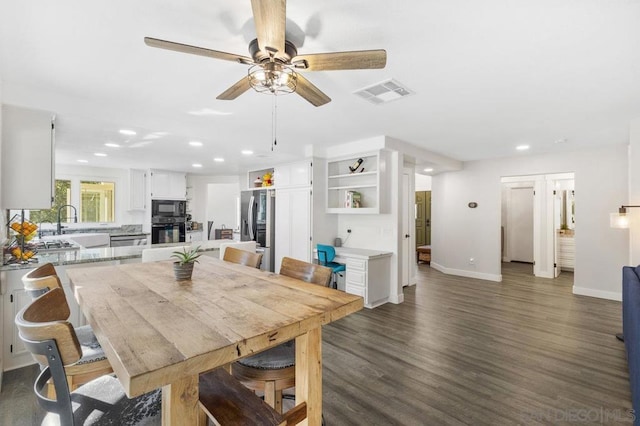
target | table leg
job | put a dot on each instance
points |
(180, 403)
(309, 375)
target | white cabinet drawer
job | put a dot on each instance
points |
(356, 278)
(356, 264)
(358, 291)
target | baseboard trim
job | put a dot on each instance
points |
(609, 295)
(468, 274)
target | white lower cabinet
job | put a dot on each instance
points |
(194, 236)
(367, 274)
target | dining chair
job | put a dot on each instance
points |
(326, 254)
(249, 246)
(242, 257)
(55, 344)
(274, 370)
(93, 362)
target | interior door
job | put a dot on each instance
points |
(421, 236)
(407, 251)
(427, 218)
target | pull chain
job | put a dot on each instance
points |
(274, 122)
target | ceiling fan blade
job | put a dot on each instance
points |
(270, 18)
(236, 90)
(194, 50)
(310, 92)
(356, 60)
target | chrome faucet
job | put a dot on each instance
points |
(75, 217)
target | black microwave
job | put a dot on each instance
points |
(168, 208)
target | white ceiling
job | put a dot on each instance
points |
(487, 75)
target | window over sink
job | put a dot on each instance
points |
(97, 201)
(61, 198)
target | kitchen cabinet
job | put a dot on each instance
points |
(293, 224)
(28, 158)
(167, 185)
(293, 175)
(367, 274)
(137, 189)
(369, 181)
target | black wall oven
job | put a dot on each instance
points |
(168, 221)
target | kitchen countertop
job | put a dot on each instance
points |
(105, 254)
(359, 253)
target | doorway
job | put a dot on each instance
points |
(423, 218)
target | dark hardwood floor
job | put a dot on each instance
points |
(458, 351)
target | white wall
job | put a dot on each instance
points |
(200, 192)
(222, 204)
(423, 182)
(601, 183)
(634, 193)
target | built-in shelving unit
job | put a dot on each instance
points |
(253, 174)
(365, 180)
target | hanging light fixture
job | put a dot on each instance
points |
(620, 220)
(272, 78)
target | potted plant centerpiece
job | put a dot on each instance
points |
(183, 267)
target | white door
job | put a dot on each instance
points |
(293, 225)
(557, 219)
(521, 225)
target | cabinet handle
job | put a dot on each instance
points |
(406, 235)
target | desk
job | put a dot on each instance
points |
(367, 273)
(158, 332)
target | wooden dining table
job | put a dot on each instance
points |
(161, 333)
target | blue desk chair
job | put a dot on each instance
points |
(326, 254)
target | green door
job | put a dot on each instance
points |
(423, 218)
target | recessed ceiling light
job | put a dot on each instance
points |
(100, 154)
(522, 147)
(127, 132)
(428, 170)
(195, 143)
(563, 140)
(112, 145)
(196, 165)
(246, 152)
(83, 161)
(218, 160)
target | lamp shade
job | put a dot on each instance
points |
(619, 220)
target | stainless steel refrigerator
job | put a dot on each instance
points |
(257, 222)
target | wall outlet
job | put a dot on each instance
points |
(472, 261)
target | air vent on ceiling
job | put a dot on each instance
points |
(384, 92)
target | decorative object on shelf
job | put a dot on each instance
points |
(356, 165)
(353, 200)
(267, 179)
(183, 267)
(258, 182)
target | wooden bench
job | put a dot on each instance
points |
(227, 402)
(424, 254)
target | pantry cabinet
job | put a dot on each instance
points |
(27, 145)
(137, 189)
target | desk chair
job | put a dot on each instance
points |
(326, 254)
(242, 257)
(93, 362)
(55, 344)
(273, 370)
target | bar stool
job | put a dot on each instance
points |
(274, 370)
(55, 345)
(326, 254)
(93, 362)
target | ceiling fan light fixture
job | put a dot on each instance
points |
(272, 78)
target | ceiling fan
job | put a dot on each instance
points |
(275, 60)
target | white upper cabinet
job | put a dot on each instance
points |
(28, 158)
(137, 189)
(166, 185)
(294, 175)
